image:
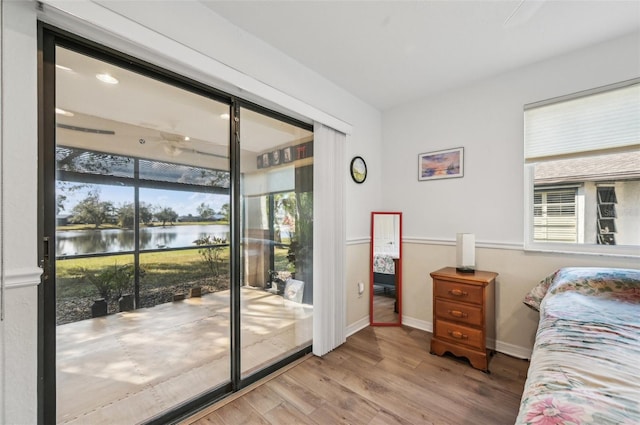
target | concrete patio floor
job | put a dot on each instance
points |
(127, 367)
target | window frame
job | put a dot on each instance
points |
(530, 162)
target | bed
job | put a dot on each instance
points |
(384, 271)
(585, 365)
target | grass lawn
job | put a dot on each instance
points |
(162, 268)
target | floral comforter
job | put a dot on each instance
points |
(383, 264)
(585, 366)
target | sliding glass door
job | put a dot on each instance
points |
(177, 239)
(277, 239)
(141, 242)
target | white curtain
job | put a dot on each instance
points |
(329, 308)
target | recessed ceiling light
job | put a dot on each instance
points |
(63, 112)
(106, 78)
(225, 116)
(64, 68)
(187, 138)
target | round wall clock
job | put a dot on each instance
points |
(358, 169)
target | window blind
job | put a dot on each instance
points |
(606, 119)
(329, 293)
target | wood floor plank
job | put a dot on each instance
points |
(387, 418)
(295, 394)
(382, 375)
(337, 396)
(263, 399)
(212, 419)
(387, 393)
(286, 414)
(238, 411)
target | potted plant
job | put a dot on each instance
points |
(111, 283)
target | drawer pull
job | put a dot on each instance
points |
(458, 313)
(457, 335)
(458, 292)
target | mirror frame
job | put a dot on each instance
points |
(398, 271)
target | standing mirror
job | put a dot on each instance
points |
(386, 269)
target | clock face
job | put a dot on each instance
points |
(358, 169)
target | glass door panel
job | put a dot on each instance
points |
(277, 231)
(142, 252)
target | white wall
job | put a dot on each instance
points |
(18, 330)
(486, 118)
(210, 50)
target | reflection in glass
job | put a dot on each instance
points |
(277, 240)
(143, 171)
(386, 268)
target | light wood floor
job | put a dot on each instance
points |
(384, 309)
(382, 375)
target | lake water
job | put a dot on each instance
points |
(78, 242)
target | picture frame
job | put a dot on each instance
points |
(443, 164)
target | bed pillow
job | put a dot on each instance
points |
(613, 283)
(535, 296)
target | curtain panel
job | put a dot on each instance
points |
(329, 307)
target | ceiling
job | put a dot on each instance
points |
(143, 117)
(391, 52)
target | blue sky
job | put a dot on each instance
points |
(184, 203)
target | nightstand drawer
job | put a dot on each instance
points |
(459, 334)
(458, 291)
(459, 312)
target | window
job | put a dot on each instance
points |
(555, 215)
(582, 172)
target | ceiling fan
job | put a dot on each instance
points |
(174, 144)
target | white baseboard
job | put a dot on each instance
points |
(501, 347)
(513, 350)
(423, 325)
(357, 326)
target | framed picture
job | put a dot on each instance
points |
(287, 155)
(275, 157)
(443, 164)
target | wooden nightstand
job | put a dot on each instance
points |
(463, 314)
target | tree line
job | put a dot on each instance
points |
(93, 210)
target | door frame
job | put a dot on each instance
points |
(48, 38)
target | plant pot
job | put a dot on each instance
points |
(125, 303)
(99, 308)
(195, 292)
(179, 297)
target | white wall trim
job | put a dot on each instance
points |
(21, 278)
(451, 242)
(513, 350)
(423, 325)
(418, 240)
(86, 18)
(359, 241)
(357, 326)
